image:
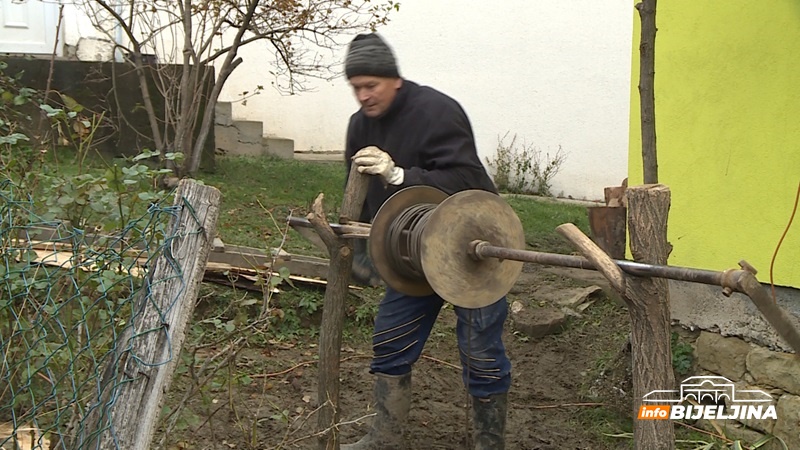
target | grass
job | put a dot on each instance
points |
(259, 194)
(540, 217)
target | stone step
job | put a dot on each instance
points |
(278, 146)
(244, 138)
(319, 156)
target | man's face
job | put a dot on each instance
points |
(375, 93)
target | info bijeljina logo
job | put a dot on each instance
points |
(707, 397)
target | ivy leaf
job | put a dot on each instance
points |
(71, 104)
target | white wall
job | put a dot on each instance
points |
(553, 72)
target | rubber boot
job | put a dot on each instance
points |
(392, 402)
(489, 422)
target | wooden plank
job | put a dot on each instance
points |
(231, 256)
(139, 373)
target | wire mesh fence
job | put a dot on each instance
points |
(71, 302)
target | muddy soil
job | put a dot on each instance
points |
(565, 385)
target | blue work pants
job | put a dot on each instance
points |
(404, 323)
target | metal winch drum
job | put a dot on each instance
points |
(423, 241)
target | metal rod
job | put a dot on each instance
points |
(483, 249)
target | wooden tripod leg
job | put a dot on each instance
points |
(330, 334)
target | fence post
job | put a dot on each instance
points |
(139, 373)
(648, 304)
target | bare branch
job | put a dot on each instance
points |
(189, 35)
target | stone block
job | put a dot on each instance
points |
(762, 425)
(247, 149)
(225, 138)
(280, 147)
(733, 430)
(223, 114)
(788, 426)
(250, 131)
(535, 322)
(94, 49)
(776, 369)
(726, 356)
(319, 156)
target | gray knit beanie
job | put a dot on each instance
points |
(368, 54)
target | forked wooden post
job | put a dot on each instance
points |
(330, 333)
(648, 304)
(148, 350)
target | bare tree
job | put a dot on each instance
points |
(195, 34)
(647, 57)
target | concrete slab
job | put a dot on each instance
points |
(319, 156)
(223, 114)
(280, 147)
(250, 131)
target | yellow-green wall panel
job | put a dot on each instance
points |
(728, 130)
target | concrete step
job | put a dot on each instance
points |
(319, 156)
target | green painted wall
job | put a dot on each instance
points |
(728, 131)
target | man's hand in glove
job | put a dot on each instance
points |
(374, 161)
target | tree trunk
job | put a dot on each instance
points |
(230, 63)
(648, 305)
(647, 60)
(184, 123)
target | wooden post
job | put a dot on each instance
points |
(648, 304)
(330, 333)
(148, 350)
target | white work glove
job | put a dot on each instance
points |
(374, 161)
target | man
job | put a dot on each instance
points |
(406, 134)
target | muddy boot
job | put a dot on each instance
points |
(393, 400)
(489, 420)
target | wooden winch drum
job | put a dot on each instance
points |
(438, 241)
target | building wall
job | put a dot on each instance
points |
(727, 107)
(554, 73)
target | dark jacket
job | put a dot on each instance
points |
(429, 135)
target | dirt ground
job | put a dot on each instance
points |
(563, 388)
